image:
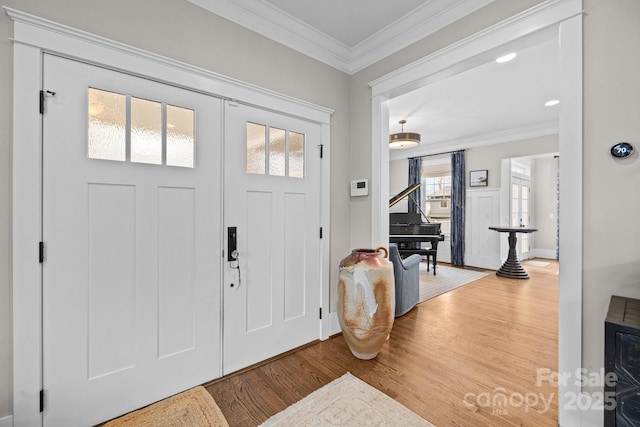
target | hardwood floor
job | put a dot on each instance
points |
(469, 357)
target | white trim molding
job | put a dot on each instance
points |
(565, 18)
(544, 253)
(325, 220)
(6, 421)
(34, 36)
(63, 40)
(274, 23)
(570, 219)
(476, 49)
(499, 137)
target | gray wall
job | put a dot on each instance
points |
(611, 203)
(490, 156)
(179, 30)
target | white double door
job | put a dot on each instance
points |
(134, 279)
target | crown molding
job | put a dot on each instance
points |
(492, 138)
(277, 25)
(416, 25)
(273, 23)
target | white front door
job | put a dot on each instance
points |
(272, 210)
(521, 214)
(131, 227)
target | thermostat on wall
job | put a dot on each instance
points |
(622, 149)
(359, 187)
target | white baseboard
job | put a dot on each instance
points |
(544, 253)
(330, 326)
(335, 324)
(482, 262)
(6, 421)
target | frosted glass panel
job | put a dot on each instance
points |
(277, 150)
(180, 136)
(146, 131)
(256, 148)
(296, 155)
(107, 125)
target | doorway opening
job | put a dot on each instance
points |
(565, 20)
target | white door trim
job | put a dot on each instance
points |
(32, 37)
(468, 53)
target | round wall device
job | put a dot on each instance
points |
(622, 149)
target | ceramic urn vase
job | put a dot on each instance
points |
(366, 300)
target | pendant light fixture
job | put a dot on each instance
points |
(403, 139)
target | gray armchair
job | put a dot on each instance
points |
(407, 277)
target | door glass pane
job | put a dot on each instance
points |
(515, 205)
(525, 206)
(296, 155)
(524, 214)
(180, 136)
(277, 147)
(146, 131)
(256, 148)
(107, 125)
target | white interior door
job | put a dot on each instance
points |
(521, 214)
(131, 225)
(272, 197)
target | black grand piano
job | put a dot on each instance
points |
(409, 231)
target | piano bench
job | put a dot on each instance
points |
(431, 255)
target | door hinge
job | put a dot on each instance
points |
(41, 400)
(41, 251)
(321, 151)
(43, 94)
(321, 313)
(321, 232)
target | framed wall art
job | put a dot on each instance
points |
(479, 178)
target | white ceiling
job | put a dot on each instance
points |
(488, 104)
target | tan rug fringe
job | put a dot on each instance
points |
(192, 408)
(347, 401)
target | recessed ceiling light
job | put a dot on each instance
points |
(551, 103)
(506, 58)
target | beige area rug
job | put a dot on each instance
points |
(347, 401)
(192, 408)
(534, 263)
(446, 279)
